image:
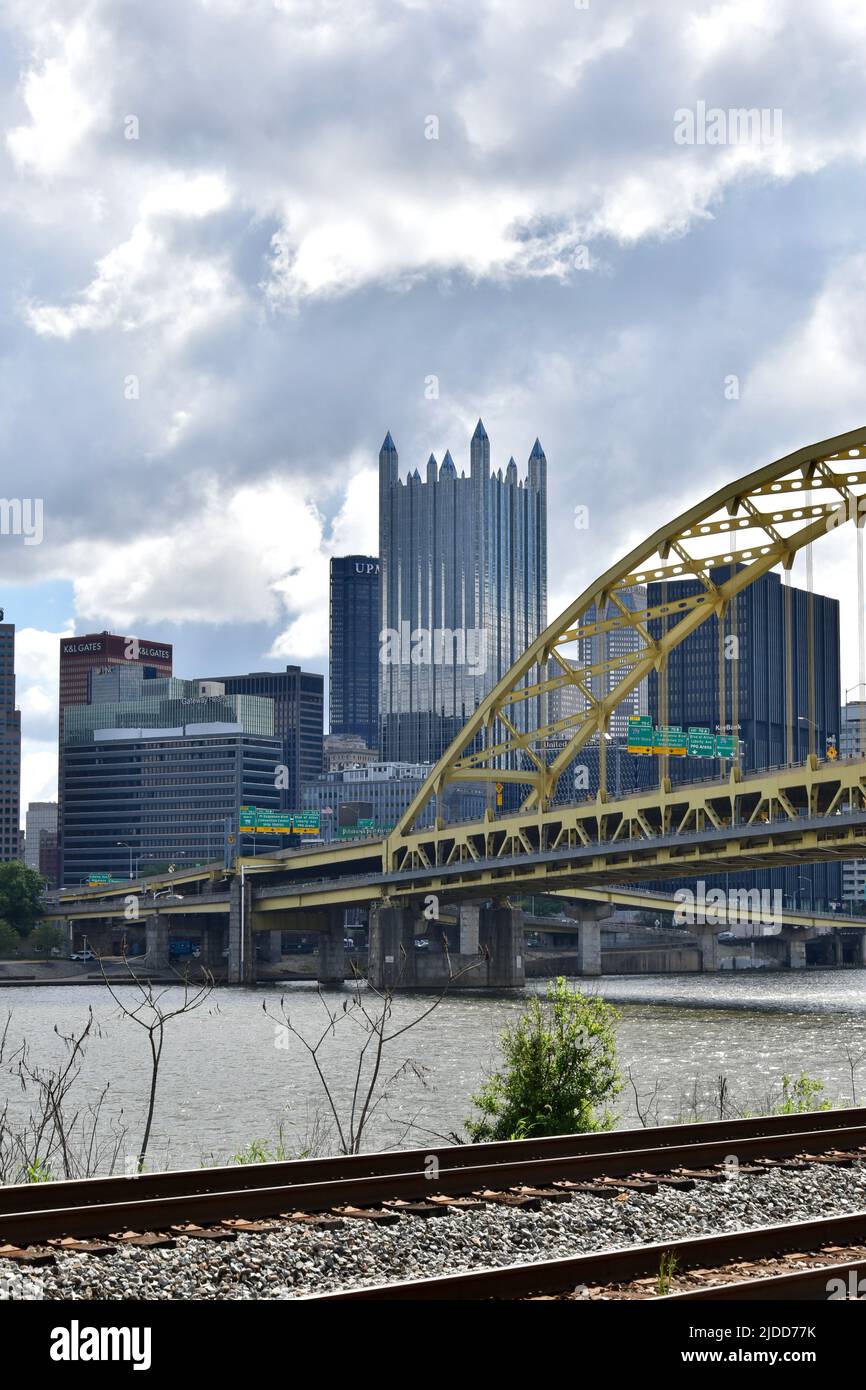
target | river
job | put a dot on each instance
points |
(229, 1075)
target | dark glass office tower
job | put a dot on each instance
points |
(299, 709)
(743, 688)
(10, 749)
(463, 591)
(748, 685)
(354, 647)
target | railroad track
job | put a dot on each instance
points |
(709, 1267)
(220, 1202)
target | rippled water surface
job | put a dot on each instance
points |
(225, 1082)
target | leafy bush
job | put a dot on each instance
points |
(802, 1093)
(20, 895)
(47, 938)
(559, 1067)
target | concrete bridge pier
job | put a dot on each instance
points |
(156, 942)
(332, 953)
(269, 946)
(500, 933)
(468, 919)
(589, 946)
(211, 947)
(710, 953)
(797, 951)
(391, 947)
(242, 955)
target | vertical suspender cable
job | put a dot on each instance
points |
(735, 673)
(789, 671)
(664, 707)
(810, 641)
(861, 640)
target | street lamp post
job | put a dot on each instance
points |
(801, 878)
(125, 845)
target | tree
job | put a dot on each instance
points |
(559, 1066)
(152, 1010)
(368, 1014)
(47, 938)
(9, 940)
(20, 894)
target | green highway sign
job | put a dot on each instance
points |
(259, 820)
(640, 734)
(363, 828)
(265, 821)
(701, 743)
(670, 738)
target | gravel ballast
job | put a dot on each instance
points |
(301, 1258)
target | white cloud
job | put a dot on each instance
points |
(37, 672)
(64, 102)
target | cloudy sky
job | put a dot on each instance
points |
(244, 238)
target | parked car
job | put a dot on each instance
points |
(422, 943)
(726, 936)
(82, 955)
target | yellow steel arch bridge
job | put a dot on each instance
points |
(792, 813)
(724, 544)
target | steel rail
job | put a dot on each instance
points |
(182, 1181)
(30, 1214)
(607, 1267)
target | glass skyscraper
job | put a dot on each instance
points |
(353, 684)
(742, 690)
(463, 591)
(10, 748)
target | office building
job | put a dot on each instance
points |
(852, 743)
(346, 750)
(161, 777)
(353, 681)
(49, 858)
(463, 591)
(164, 701)
(80, 656)
(138, 800)
(616, 644)
(40, 820)
(10, 749)
(741, 688)
(359, 800)
(745, 684)
(299, 706)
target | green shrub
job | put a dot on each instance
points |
(47, 938)
(559, 1067)
(802, 1093)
